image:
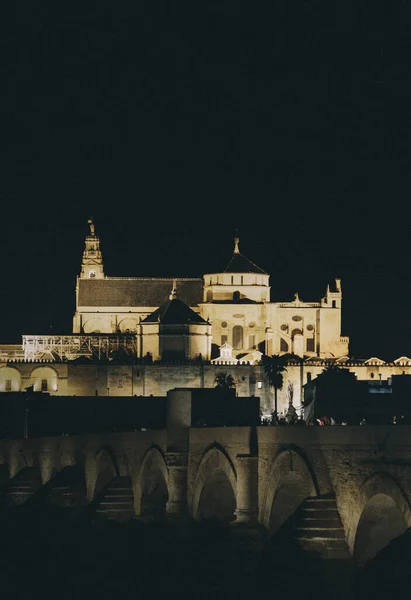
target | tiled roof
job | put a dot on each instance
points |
(138, 291)
(174, 312)
(241, 264)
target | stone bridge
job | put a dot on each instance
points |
(341, 490)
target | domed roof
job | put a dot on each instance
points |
(174, 312)
(241, 264)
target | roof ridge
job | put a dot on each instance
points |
(167, 306)
(150, 278)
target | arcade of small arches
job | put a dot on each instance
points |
(135, 476)
(41, 378)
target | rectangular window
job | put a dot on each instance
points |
(44, 385)
(251, 341)
(308, 377)
(7, 385)
(223, 339)
(310, 344)
(259, 384)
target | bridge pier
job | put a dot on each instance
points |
(90, 474)
(178, 424)
(177, 484)
(247, 486)
(46, 464)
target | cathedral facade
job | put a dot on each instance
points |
(235, 304)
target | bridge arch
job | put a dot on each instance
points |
(151, 494)
(291, 480)
(67, 487)
(384, 513)
(106, 469)
(215, 487)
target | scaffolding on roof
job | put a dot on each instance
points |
(70, 347)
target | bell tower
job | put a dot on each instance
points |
(92, 263)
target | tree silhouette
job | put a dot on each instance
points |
(224, 380)
(337, 393)
(274, 367)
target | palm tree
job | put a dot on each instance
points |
(274, 367)
(224, 380)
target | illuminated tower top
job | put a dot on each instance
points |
(241, 281)
(92, 263)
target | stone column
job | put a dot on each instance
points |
(177, 484)
(178, 425)
(46, 464)
(90, 475)
(247, 489)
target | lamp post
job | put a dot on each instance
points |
(26, 422)
(302, 386)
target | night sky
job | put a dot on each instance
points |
(177, 124)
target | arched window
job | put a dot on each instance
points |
(236, 295)
(237, 337)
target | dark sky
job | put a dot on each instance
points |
(176, 124)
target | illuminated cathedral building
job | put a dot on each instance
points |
(232, 307)
(181, 332)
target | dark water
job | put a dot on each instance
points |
(50, 555)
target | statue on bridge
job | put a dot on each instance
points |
(291, 414)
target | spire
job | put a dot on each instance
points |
(92, 263)
(91, 224)
(236, 245)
